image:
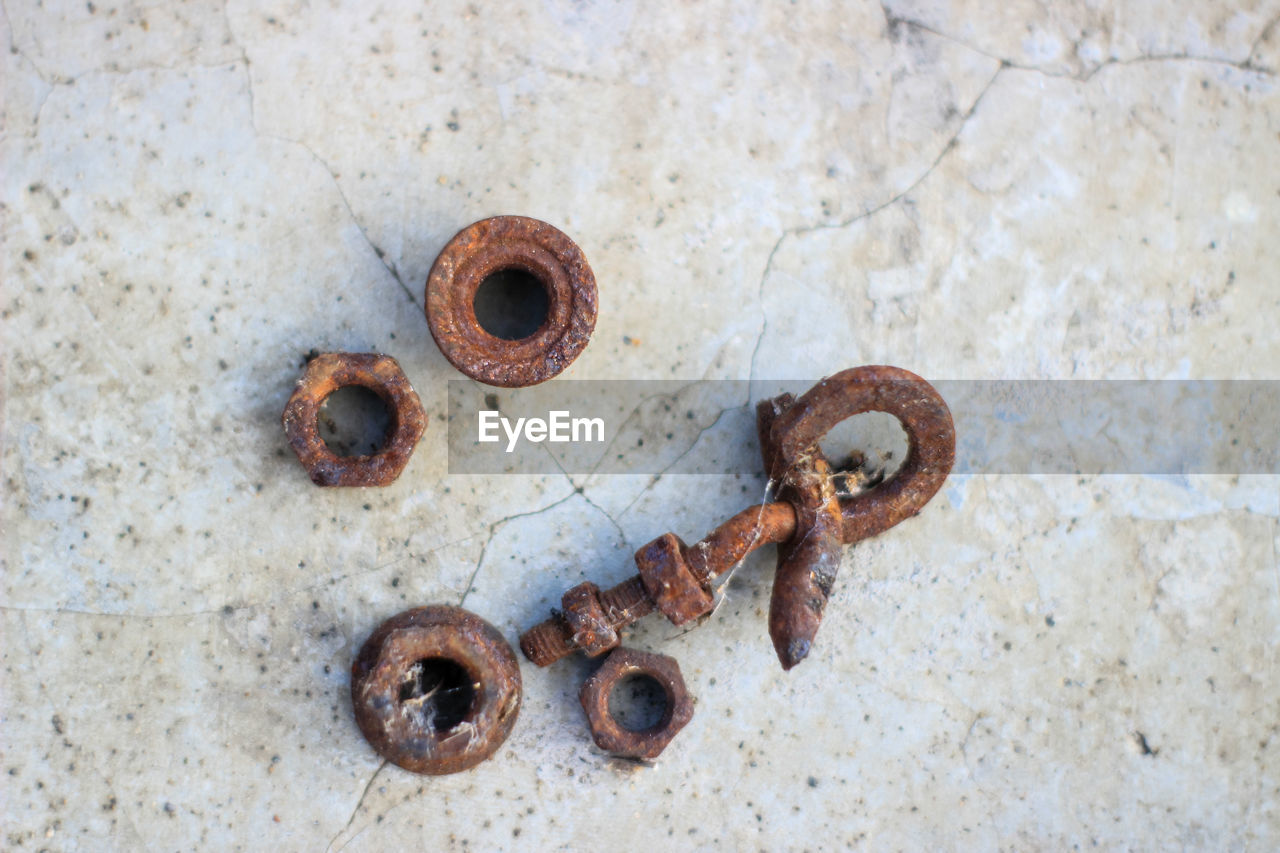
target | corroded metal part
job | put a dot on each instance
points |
(809, 521)
(790, 431)
(549, 641)
(729, 544)
(722, 549)
(931, 440)
(675, 589)
(809, 560)
(496, 245)
(586, 617)
(612, 736)
(381, 374)
(435, 726)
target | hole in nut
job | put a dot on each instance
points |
(638, 702)
(440, 690)
(354, 421)
(865, 450)
(511, 304)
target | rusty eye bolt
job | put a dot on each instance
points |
(809, 521)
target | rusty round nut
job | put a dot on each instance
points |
(670, 582)
(436, 689)
(612, 736)
(500, 244)
(381, 374)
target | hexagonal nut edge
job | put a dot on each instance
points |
(670, 582)
(610, 735)
(582, 611)
(381, 374)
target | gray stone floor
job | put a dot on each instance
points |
(197, 194)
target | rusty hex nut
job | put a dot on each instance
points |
(496, 245)
(436, 689)
(589, 624)
(381, 374)
(670, 582)
(612, 736)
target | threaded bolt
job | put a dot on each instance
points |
(551, 640)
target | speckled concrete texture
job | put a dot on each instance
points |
(196, 195)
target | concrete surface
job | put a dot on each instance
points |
(196, 195)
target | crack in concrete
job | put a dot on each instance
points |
(894, 21)
(68, 82)
(1257, 42)
(1005, 65)
(616, 526)
(228, 608)
(654, 480)
(381, 817)
(867, 213)
(355, 220)
(978, 716)
(17, 51)
(248, 67)
(22, 54)
(582, 490)
(1244, 65)
(346, 203)
(355, 811)
(633, 413)
(493, 529)
(53, 82)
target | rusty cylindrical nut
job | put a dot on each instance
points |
(436, 689)
(511, 243)
(612, 736)
(381, 374)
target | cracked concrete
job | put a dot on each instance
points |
(196, 195)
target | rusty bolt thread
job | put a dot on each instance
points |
(511, 243)
(381, 374)
(790, 431)
(610, 735)
(721, 550)
(414, 725)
